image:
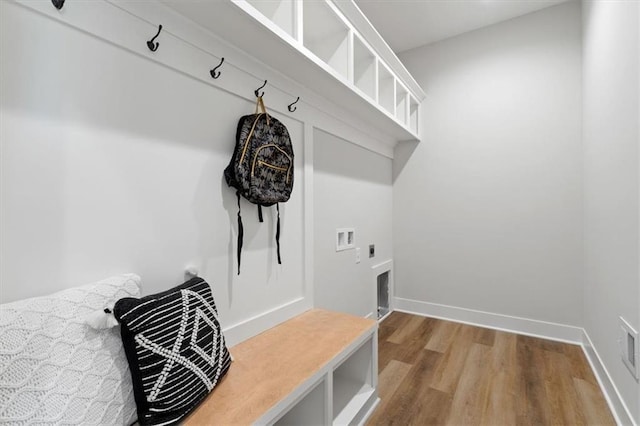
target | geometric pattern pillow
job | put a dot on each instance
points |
(56, 369)
(176, 350)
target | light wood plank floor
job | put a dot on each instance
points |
(434, 372)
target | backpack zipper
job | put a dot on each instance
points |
(255, 160)
(246, 143)
(264, 163)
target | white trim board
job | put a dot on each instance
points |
(195, 50)
(617, 405)
(368, 414)
(528, 327)
(250, 327)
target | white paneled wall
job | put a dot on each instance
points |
(112, 159)
(112, 163)
(352, 189)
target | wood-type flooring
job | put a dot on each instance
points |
(435, 372)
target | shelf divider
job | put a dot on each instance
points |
(319, 44)
(280, 12)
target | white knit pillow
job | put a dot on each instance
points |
(55, 369)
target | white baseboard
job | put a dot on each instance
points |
(242, 331)
(529, 327)
(385, 316)
(612, 395)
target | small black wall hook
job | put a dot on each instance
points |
(151, 43)
(58, 4)
(213, 72)
(257, 91)
(291, 106)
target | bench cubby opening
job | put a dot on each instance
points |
(353, 383)
(310, 410)
(318, 368)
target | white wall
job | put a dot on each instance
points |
(487, 209)
(611, 139)
(112, 163)
(352, 188)
(112, 159)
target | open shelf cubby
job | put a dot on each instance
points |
(413, 114)
(386, 89)
(364, 68)
(326, 46)
(280, 12)
(309, 411)
(401, 103)
(353, 383)
(326, 36)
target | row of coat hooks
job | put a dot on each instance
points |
(153, 46)
(291, 106)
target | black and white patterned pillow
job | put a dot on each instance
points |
(175, 348)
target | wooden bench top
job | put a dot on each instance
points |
(271, 365)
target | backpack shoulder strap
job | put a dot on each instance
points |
(278, 234)
(260, 105)
(240, 232)
(246, 143)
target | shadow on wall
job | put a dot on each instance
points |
(336, 156)
(209, 231)
(401, 156)
(204, 206)
(93, 84)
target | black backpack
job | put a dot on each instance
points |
(261, 168)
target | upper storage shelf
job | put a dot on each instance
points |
(328, 46)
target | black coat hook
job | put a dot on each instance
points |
(150, 44)
(291, 105)
(257, 91)
(58, 4)
(213, 72)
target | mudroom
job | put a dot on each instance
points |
(320, 212)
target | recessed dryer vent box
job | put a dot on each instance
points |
(629, 347)
(345, 238)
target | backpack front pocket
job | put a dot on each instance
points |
(271, 173)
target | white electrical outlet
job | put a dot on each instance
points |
(629, 347)
(358, 255)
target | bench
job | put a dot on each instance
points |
(318, 368)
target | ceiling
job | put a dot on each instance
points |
(406, 24)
